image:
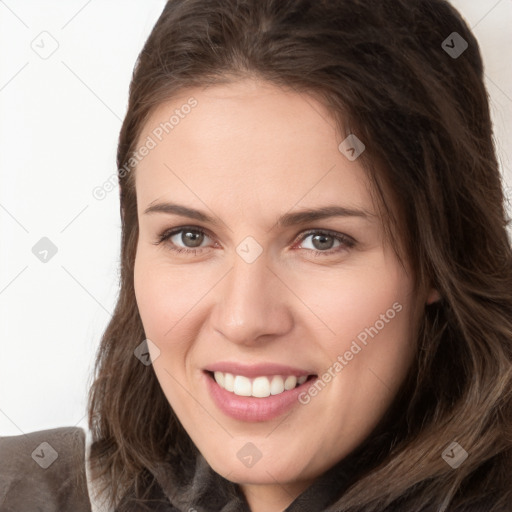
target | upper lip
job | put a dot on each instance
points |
(257, 370)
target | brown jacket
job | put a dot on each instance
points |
(47, 471)
(44, 471)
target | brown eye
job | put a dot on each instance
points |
(192, 238)
(184, 239)
(324, 242)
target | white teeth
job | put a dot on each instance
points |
(277, 385)
(242, 386)
(290, 382)
(259, 387)
(219, 377)
(229, 382)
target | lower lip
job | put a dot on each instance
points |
(249, 408)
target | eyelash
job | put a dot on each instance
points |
(345, 240)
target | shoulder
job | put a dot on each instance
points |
(44, 471)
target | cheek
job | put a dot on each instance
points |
(369, 314)
(155, 300)
(357, 298)
(164, 294)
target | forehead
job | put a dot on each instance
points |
(249, 144)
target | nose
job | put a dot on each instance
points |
(252, 304)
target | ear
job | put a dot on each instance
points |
(433, 296)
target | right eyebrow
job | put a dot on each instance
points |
(177, 209)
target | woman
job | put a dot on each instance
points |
(315, 309)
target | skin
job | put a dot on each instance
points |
(246, 154)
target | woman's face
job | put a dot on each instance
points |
(255, 283)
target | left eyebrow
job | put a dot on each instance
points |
(304, 216)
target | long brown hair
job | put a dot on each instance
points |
(383, 70)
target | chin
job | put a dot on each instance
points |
(261, 472)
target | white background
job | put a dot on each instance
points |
(59, 123)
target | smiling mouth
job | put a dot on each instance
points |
(258, 387)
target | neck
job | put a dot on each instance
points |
(272, 497)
